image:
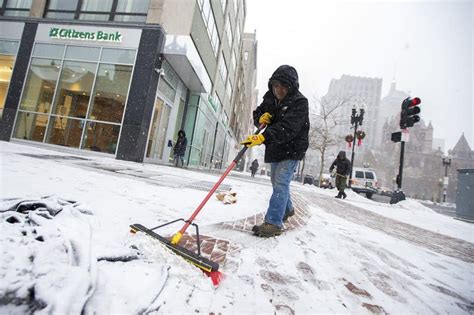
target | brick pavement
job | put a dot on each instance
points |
(225, 252)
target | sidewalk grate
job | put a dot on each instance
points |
(206, 186)
(53, 157)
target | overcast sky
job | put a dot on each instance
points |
(427, 46)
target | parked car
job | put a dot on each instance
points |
(308, 179)
(364, 181)
(384, 191)
(327, 181)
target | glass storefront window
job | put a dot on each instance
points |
(17, 7)
(62, 5)
(48, 50)
(65, 131)
(8, 47)
(74, 90)
(167, 90)
(130, 18)
(132, 6)
(110, 92)
(78, 104)
(94, 5)
(8, 51)
(60, 15)
(30, 126)
(82, 53)
(40, 85)
(19, 4)
(118, 55)
(94, 17)
(6, 69)
(101, 137)
(159, 126)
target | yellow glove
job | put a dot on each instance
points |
(266, 119)
(253, 140)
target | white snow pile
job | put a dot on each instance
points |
(46, 262)
(49, 264)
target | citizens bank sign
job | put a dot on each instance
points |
(70, 33)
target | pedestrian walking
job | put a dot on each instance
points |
(343, 168)
(284, 111)
(254, 167)
(180, 148)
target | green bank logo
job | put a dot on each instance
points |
(69, 33)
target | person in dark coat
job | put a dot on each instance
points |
(254, 167)
(180, 148)
(343, 168)
(284, 111)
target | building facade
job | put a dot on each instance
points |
(360, 92)
(122, 77)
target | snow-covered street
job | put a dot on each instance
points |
(336, 256)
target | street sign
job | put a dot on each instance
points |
(405, 135)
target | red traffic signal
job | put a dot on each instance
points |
(409, 114)
(414, 101)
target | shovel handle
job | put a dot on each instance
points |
(176, 238)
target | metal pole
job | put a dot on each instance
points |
(352, 157)
(213, 145)
(400, 170)
(398, 195)
(444, 185)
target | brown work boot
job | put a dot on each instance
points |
(267, 230)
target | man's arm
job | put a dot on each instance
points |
(332, 166)
(283, 131)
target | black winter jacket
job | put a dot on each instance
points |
(342, 164)
(181, 143)
(286, 138)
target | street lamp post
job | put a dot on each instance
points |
(446, 163)
(356, 120)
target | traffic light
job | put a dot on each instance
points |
(409, 114)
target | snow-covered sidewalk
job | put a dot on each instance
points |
(351, 256)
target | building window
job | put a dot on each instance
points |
(228, 89)
(215, 102)
(8, 51)
(110, 93)
(223, 68)
(210, 22)
(96, 10)
(237, 35)
(15, 7)
(233, 62)
(106, 10)
(225, 119)
(75, 96)
(228, 30)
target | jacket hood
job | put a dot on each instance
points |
(181, 133)
(287, 75)
(342, 155)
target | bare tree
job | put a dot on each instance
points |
(323, 118)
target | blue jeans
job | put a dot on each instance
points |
(280, 201)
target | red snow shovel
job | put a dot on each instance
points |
(207, 266)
